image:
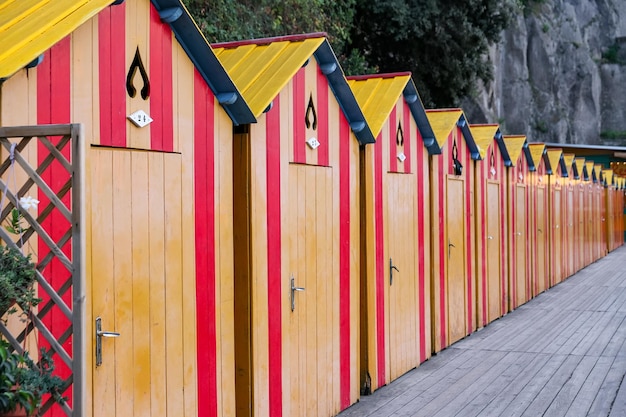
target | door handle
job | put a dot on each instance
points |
(490, 237)
(450, 245)
(99, 335)
(293, 293)
(391, 268)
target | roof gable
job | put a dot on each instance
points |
(536, 152)
(261, 68)
(29, 28)
(378, 94)
(514, 145)
(484, 135)
(554, 158)
(443, 121)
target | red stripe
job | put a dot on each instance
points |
(274, 273)
(345, 197)
(161, 105)
(393, 149)
(112, 75)
(407, 139)
(380, 261)
(322, 118)
(54, 106)
(468, 226)
(483, 240)
(422, 213)
(503, 240)
(299, 131)
(442, 254)
(205, 246)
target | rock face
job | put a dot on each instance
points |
(559, 74)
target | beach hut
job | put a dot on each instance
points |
(453, 228)
(592, 214)
(579, 201)
(518, 220)
(539, 226)
(490, 202)
(395, 330)
(569, 212)
(148, 111)
(297, 232)
(556, 172)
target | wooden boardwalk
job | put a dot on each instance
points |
(561, 354)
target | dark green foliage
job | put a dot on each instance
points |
(17, 275)
(442, 42)
(24, 382)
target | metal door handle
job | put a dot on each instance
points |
(490, 237)
(391, 268)
(293, 293)
(450, 245)
(99, 335)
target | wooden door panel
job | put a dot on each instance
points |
(494, 251)
(456, 280)
(542, 233)
(521, 241)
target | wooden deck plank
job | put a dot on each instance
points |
(561, 354)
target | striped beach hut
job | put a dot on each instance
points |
(569, 213)
(395, 328)
(150, 111)
(519, 220)
(557, 173)
(453, 228)
(490, 202)
(297, 232)
(539, 225)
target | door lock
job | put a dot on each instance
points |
(99, 335)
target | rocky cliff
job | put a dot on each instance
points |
(559, 74)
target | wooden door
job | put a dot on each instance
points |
(521, 241)
(136, 251)
(580, 233)
(494, 252)
(403, 289)
(557, 240)
(310, 248)
(570, 232)
(542, 233)
(456, 267)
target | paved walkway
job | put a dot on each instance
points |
(561, 354)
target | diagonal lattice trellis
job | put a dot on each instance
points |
(55, 231)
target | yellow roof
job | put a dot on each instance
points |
(260, 71)
(580, 164)
(554, 156)
(443, 122)
(569, 160)
(514, 144)
(28, 28)
(484, 136)
(589, 165)
(536, 152)
(377, 97)
(598, 169)
(608, 176)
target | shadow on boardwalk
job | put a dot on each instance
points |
(561, 354)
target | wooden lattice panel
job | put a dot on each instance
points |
(44, 162)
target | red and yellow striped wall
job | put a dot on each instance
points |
(396, 330)
(539, 224)
(303, 235)
(518, 220)
(453, 242)
(159, 210)
(490, 209)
